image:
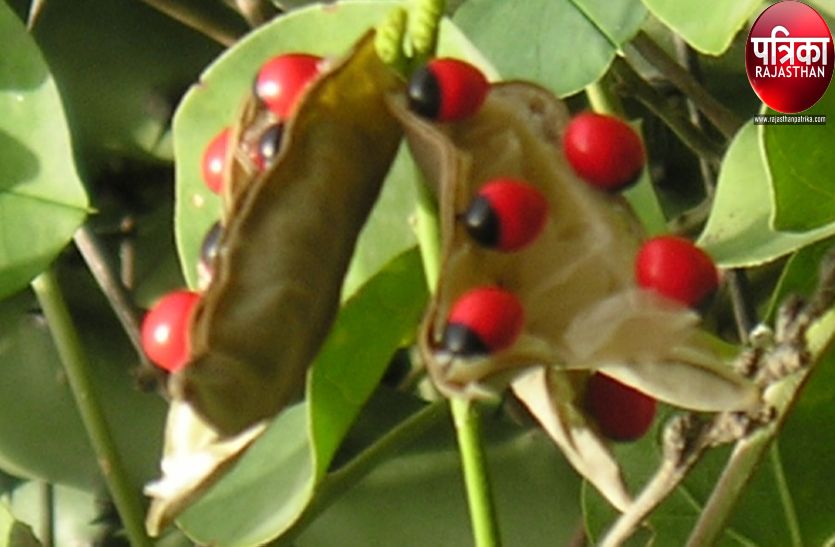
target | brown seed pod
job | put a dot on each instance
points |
(583, 310)
(576, 283)
(289, 235)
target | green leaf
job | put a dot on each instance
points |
(804, 451)
(42, 201)
(538, 40)
(738, 233)
(14, 533)
(123, 106)
(801, 170)
(275, 479)
(707, 29)
(800, 274)
(41, 434)
(416, 498)
(78, 513)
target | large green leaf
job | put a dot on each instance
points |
(709, 29)
(119, 86)
(535, 490)
(738, 232)
(538, 40)
(41, 433)
(801, 170)
(274, 481)
(42, 201)
(213, 104)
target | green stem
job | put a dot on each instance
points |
(47, 522)
(80, 378)
(340, 481)
(479, 498)
(427, 231)
(465, 414)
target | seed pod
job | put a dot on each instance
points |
(583, 310)
(276, 285)
(576, 285)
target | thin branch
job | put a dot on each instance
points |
(36, 7)
(740, 292)
(689, 134)
(686, 438)
(80, 377)
(256, 12)
(690, 61)
(111, 286)
(46, 527)
(803, 336)
(193, 14)
(722, 118)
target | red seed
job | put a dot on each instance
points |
(214, 160)
(604, 151)
(165, 328)
(483, 320)
(676, 268)
(283, 79)
(447, 90)
(621, 412)
(506, 214)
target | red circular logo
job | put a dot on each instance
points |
(789, 57)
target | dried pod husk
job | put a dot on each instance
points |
(553, 397)
(575, 282)
(193, 460)
(288, 237)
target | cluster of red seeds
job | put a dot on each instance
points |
(279, 85)
(507, 215)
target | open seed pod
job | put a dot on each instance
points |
(288, 237)
(289, 233)
(575, 282)
(582, 309)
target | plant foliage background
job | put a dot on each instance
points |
(88, 134)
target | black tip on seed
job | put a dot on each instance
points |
(482, 223)
(270, 143)
(460, 340)
(210, 246)
(424, 93)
